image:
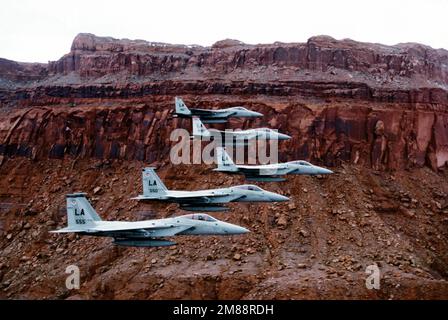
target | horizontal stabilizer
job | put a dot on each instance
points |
(68, 230)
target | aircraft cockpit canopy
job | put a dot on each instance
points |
(250, 187)
(199, 216)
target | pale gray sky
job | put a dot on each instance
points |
(43, 30)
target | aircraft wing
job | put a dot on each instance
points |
(203, 196)
(67, 230)
(187, 196)
(157, 231)
(240, 134)
(143, 228)
(203, 112)
(249, 171)
(211, 113)
(265, 170)
(192, 194)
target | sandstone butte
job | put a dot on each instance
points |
(377, 115)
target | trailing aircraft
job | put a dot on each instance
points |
(83, 219)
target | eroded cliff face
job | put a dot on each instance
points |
(384, 107)
(93, 56)
(377, 115)
(380, 136)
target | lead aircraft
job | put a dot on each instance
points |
(266, 172)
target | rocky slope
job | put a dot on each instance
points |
(377, 115)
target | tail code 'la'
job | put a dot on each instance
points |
(80, 213)
(199, 130)
(152, 185)
(225, 163)
(181, 108)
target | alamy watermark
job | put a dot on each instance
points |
(190, 150)
(72, 281)
(373, 278)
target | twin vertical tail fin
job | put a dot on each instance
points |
(181, 108)
(152, 185)
(199, 130)
(224, 161)
(80, 213)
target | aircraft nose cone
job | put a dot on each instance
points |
(320, 170)
(283, 136)
(241, 230)
(258, 114)
(279, 198)
(234, 229)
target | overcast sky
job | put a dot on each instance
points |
(39, 31)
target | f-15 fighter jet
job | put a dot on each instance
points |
(199, 130)
(213, 116)
(83, 219)
(267, 172)
(203, 200)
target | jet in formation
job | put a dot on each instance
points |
(83, 219)
(213, 116)
(267, 172)
(237, 136)
(203, 200)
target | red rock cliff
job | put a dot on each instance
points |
(382, 106)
